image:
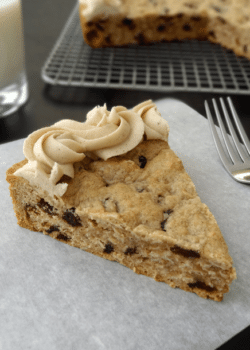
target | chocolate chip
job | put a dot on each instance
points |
(221, 19)
(108, 39)
(63, 237)
(180, 15)
(196, 18)
(169, 19)
(46, 207)
(52, 229)
(140, 190)
(71, 218)
(103, 20)
(169, 211)
(130, 251)
(190, 5)
(129, 23)
(186, 27)
(245, 48)
(143, 161)
(184, 252)
(89, 24)
(91, 35)
(161, 27)
(163, 225)
(201, 285)
(93, 222)
(216, 8)
(108, 248)
(30, 209)
(100, 27)
(140, 38)
(211, 33)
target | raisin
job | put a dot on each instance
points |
(130, 251)
(91, 35)
(201, 285)
(129, 23)
(184, 252)
(63, 237)
(71, 218)
(46, 207)
(108, 248)
(186, 27)
(143, 161)
(52, 229)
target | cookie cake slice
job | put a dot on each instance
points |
(110, 23)
(113, 187)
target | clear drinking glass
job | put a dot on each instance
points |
(13, 81)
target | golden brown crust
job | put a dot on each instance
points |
(140, 209)
(226, 23)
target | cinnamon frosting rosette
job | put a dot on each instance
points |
(52, 151)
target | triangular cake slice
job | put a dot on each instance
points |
(140, 209)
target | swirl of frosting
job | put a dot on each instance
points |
(156, 128)
(52, 151)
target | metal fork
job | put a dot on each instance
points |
(237, 160)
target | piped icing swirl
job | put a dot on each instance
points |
(52, 151)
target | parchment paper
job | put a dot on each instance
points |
(53, 296)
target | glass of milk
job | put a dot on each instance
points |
(13, 81)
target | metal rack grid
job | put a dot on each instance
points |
(184, 66)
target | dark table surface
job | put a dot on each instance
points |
(43, 22)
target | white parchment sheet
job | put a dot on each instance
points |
(53, 296)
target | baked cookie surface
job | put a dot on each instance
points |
(140, 209)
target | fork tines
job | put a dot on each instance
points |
(238, 156)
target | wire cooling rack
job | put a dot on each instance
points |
(184, 66)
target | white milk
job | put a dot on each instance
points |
(11, 41)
